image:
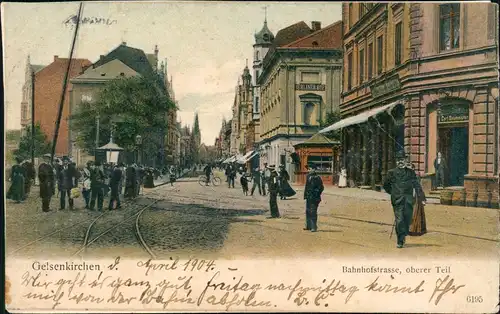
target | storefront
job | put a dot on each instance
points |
(323, 153)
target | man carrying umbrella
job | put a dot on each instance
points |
(400, 183)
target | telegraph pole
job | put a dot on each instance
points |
(65, 84)
(33, 117)
(96, 137)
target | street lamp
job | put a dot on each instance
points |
(112, 150)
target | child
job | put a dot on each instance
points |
(244, 183)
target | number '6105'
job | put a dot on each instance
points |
(474, 299)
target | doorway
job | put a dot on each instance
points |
(454, 146)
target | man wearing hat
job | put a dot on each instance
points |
(67, 180)
(273, 188)
(47, 181)
(400, 183)
(97, 186)
(312, 194)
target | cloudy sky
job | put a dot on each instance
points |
(206, 44)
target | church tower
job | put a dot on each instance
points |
(263, 41)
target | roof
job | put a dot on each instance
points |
(260, 37)
(108, 71)
(329, 37)
(291, 33)
(134, 58)
(152, 59)
(318, 139)
(37, 67)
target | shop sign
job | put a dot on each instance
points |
(453, 114)
(387, 86)
(313, 87)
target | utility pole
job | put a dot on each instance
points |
(33, 117)
(96, 137)
(65, 84)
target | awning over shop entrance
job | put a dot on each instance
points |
(247, 157)
(360, 118)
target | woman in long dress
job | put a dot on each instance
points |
(418, 226)
(285, 189)
(343, 178)
(16, 190)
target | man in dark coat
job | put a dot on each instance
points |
(256, 181)
(114, 185)
(47, 181)
(97, 181)
(208, 172)
(232, 175)
(400, 183)
(439, 166)
(67, 179)
(312, 194)
(273, 193)
(29, 170)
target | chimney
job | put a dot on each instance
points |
(316, 26)
(56, 58)
(101, 57)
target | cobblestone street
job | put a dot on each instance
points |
(188, 219)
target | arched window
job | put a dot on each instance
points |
(308, 112)
(257, 55)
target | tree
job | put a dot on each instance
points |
(42, 145)
(136, 105)
(331, 118)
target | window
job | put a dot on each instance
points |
(256, 104)
(370, 61)
(323, 162)
(369, 6)
(257, 55)
(362, 10)
(398, 39)
(86, 98)
(308, 112)
(350, 15)
(349, 71)
(24, 112)
(310, 77)
(361, 66)
(380, 54)
(449, 26)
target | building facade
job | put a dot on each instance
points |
(427, 74)
(27, 93)
(300, 84)
(48, 91)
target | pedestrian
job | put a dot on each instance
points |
(16, 190)
(264, 178)
(273, 186)
(312, 194)
(97, 182)
(86, 183)
(66, 182)
(130, 182)
(439, 167)
(256, 181)
(46, 178)
(172, 175)
(343, 178)
(244, 183)
(114, 185)
(400, 183)
(418, 225)
(284, 187)
(232, 176)
(30, 173)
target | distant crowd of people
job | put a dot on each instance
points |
(95, 181)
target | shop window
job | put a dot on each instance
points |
(380, 54)
(323, 162)
(370, 61)
(349, 71)
(361, 66)
(449, 26)
(398, 40)
(308, 112)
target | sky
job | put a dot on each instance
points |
(206, 44)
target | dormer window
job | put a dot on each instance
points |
(315, 44)
(266, 37)
(122, 74)
(103, 74)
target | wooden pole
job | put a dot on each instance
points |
(65, 84)
(33, 117)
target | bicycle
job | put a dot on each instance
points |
(202, 180)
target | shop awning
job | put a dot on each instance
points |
(360, 118)
(248, 156)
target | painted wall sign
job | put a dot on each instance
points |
(72, 20)
(316, 87)
(387, 86)
(453, 114)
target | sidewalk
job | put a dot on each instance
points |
(165, 179)
(357, 193)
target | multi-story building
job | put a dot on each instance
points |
(27, 98)
(300, 83)
(423, 78)
(49, 82)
